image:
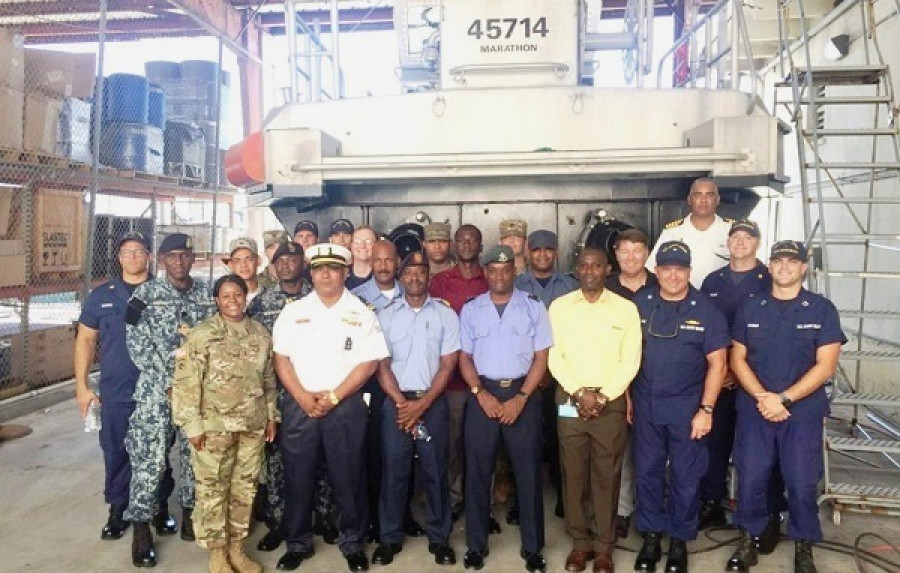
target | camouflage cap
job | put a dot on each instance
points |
(437, 232)
(498, 254)
(288, 248)
(274, 236)
(240, 243)
(175, 242)
(513, 228)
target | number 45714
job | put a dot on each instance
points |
(496, 28)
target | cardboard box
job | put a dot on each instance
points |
(41, 123)
(59, 74)
(6, 211)
(57, 231)
(9, 247)
(12, 103)
(13, 270)
(12, 59)
(51, 353)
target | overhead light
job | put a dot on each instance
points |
(837, 47)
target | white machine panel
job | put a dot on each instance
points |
(509, 43)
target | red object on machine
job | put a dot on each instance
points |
(245, 162)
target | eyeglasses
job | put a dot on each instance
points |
(654, 332)
(365, 242)
(133, 253)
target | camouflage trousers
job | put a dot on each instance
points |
(150, 436)
(227, 469)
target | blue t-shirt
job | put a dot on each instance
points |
(104, 311)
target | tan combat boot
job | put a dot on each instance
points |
(218, 561)
(239, 560)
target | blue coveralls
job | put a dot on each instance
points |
(782, 340)
(104, 311)
(728, 297)
(503, 351)
(666, 395)
(417, 339)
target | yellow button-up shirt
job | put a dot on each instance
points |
(595, 344)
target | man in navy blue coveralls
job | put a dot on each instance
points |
(743, 277)
(674, 394)
(505, 339)
(786, 345)
(103, 318)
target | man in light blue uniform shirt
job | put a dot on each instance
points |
(423, 337)
(505, 339)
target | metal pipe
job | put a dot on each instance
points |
(868, 436)
(335, 49)
(734, 46)
(883, 424)
(217, 179)
(317, 66)
(686, 37)
(291, 32)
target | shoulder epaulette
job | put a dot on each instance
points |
(728, 219)
(675, 223)
(444, 302)
(532, 296)
(368, 304)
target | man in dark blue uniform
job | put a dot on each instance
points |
(674, 394)
(103, 318)
(505, 339)
(729, 287)
(423, 337)
(546, 283)
(787, 343)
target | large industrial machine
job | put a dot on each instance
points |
(501, 120)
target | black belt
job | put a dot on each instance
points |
(503, 382)
(413, 394)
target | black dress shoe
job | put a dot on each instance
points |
(413, 529)
(678, 557)
(768, 539)
(163, 522)
(443, 553)
(292, 559)
(271, 540)
(712, 514)
(474, 559)
(746, 555)
(456, 510)
(371, 535)
(187, 524)
(650, 552)
(803, 558)
(533, 561)
(143, 553)
(623, 525)
(493, 525)
(116, 525)
(512, 516)
(384, 554)
(357, 561)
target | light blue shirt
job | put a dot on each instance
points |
(372, 294)
(556, 287)
(504, 347)
(417, 339)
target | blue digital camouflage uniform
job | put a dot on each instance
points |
(158, 319)
(265, 308)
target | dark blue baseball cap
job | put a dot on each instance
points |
(673, 253)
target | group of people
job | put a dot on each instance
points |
(346, 378)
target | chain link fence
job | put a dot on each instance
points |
(100, 134)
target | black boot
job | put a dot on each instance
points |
(712, 514)
(650, 552)
(187, 524)
(116, 525)
(163, 522)
(678, 556)
(143, 553)
(768, 539)
(803, 558)
(272, 539)
(746, 555)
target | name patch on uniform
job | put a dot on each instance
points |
(692, 327)
(301, 321)
(713, 294)
(106, 305)
(752, 325)
(348, 344)
(351, 321)
(810, 326)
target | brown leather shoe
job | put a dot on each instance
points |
(577, 560)
(604, 564)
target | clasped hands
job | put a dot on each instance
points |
(505, 412)
(770, 407)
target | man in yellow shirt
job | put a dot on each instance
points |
(595, 356)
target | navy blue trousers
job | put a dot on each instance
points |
(398, 448)
(653, 446)
(339, 438)
(794, 446)
(523, 442)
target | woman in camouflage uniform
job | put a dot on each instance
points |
(223, 397)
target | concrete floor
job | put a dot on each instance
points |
(51, 512)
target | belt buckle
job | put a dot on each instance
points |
(506, 383)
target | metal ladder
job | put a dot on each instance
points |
(851, 188)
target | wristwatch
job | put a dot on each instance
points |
(476, 390)
(523, 394)
(706, 408)
(785, 401)
(334, 399)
